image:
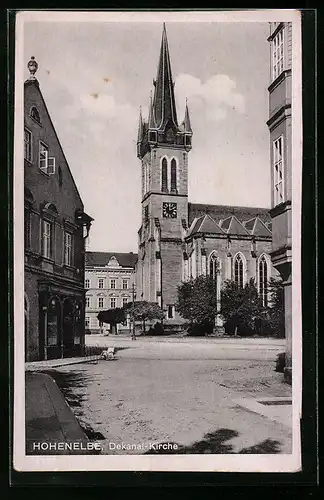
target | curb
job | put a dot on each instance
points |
(41, 365)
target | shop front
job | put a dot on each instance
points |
(61, 324)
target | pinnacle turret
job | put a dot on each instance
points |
(186, 122)
(140, 127)
(151, 119)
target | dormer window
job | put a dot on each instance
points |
(34, 113)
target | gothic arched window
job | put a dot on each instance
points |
(263, 280)
(239, 270)
(173, 175)
(164, 175)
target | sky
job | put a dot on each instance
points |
(94, 76)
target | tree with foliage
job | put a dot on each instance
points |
(113, 317)
(197, 302)
(276, 309)
(144, 311)
(241, 307)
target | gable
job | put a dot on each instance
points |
(208, 225)
(61, 183)
(260, 229)
(113, 262)
(233, 226)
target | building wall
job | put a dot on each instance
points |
(226, 256)
(32, 317)
(154, 160)
(279, 124)
(46, 277)
(93, 274)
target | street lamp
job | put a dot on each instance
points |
(133, 309)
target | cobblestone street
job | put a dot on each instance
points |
(154, 393)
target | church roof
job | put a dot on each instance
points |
(205, 224)
(222, 212)
(233, 226)
(257, 227)
(101, 259)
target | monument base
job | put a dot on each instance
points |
(218, 331)
(288, 375)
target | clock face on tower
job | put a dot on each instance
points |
(169, 210)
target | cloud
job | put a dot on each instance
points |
(217, 95)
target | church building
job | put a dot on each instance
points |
(179, 240)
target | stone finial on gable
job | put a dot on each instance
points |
(32, 67)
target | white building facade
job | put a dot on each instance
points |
(109, 283)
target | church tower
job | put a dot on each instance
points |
(163, 146)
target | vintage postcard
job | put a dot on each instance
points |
(157, 229)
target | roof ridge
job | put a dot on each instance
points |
(230, 206)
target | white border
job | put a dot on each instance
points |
(215, 463)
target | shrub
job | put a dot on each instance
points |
(158, 329)
(281, 362)
(200, 329)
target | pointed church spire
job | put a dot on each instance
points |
(140, 127)
(186, 122)
(151, 120)
(164, 102)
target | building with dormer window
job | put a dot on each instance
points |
(55, 229)
(109, 283)
(179, 240)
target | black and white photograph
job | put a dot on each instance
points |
(157, 230)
